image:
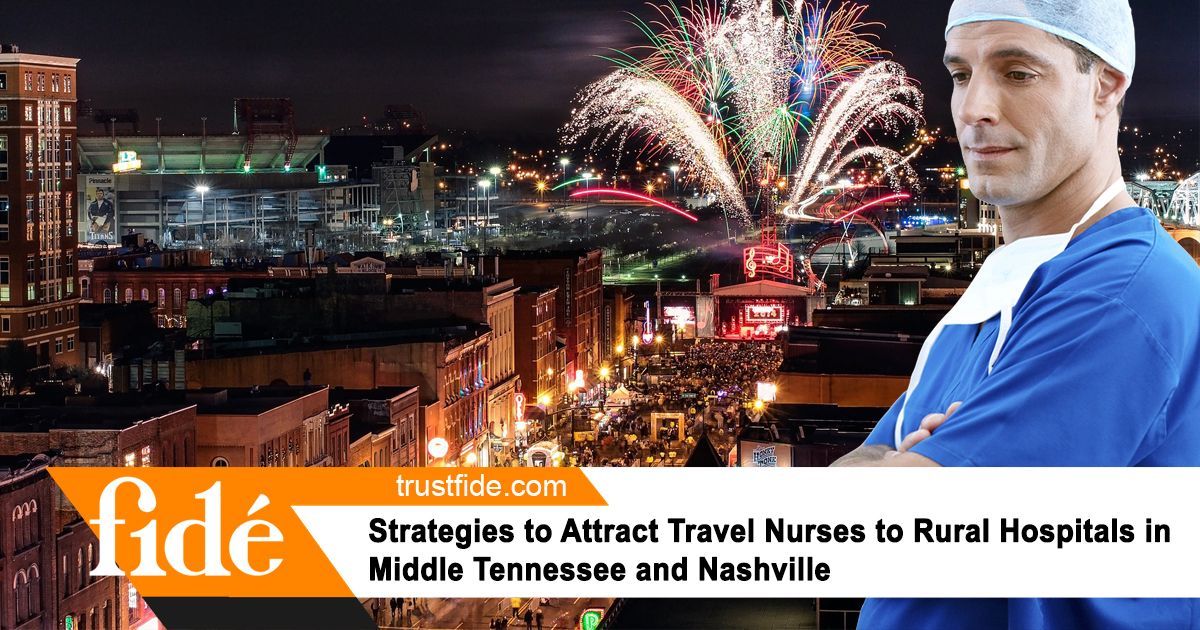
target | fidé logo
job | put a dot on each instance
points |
(173, 546)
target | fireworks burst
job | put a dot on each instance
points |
(730, 89)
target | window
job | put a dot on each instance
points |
(67, 84)
(220, 462)
(108, 296)
(3, 147)
(162, 296)
(41, 82)
(28, 80)
(67, 113)
(128, 294)
(70, 343)
(3, 113)
(3, 80)
(145, 295)
(192, 294)
(5, 324)
(54, 83)
(177, 299)
(130, 460)
(29, 113)
(58, 345)
(3, 219)
(145, 456)
(85, 288)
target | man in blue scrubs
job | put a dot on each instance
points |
(1078, 343)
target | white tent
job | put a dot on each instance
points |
(620, 396)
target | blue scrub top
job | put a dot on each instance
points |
(1101, 368)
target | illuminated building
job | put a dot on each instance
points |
(536, 351)
(578, 277)
(38, 296)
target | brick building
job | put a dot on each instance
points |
(38, 243)
(398, 407)
(166, 279)
(105, 430)
(578, 275)
(538, 365)
(446, 364)
(109, 430)
(484, 300)
(261, 426)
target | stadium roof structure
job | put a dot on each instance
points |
(199, 153)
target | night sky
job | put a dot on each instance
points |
(497, 67)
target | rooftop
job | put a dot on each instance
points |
(13, 467)
(463, 284)
(343, 395)
(246, 401)
(111, 412)
(213, 153)
(453, 331)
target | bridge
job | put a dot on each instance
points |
(1177, 205)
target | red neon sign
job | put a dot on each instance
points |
(772, 259)
(629, 194)
(875, 202)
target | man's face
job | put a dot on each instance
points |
(1024, 113)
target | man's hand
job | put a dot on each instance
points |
(928, 424)
(880, 455)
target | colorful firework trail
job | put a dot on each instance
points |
(737, 93)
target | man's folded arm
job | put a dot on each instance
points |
(880, 455)
(1081, 381)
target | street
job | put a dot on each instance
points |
(471, 614)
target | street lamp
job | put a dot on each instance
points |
(564, 162)
(674, 172)
(483, 185)
(202, 189)
(495, 171)
(587, 206)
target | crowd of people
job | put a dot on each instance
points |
(709, 384)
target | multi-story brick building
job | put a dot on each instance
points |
(38, 165)
(110, 430)
(537, 361)
(399, 407)
(166, 279)
(447, 364)
(262, 426)
(578, 275)
(485, 300)
(106, 430)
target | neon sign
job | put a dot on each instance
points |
(679, 315)
(127, 161)
(773, 259)
(763, 313)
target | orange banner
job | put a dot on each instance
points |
(192, 532)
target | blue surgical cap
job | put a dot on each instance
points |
(1104, 27)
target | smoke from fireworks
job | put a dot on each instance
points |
(730, 90)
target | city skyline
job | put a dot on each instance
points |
(501, 70)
